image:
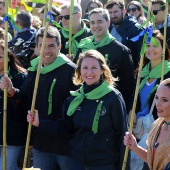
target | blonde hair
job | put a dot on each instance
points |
(106, 76)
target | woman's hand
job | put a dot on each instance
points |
(6, 83)
(130, 141)
(33, 119)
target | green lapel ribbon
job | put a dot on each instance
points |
(95, 94)
(154, 73)
(96, 118)
(88, 43)
(60, 60)
(74, 42)
(50, 97)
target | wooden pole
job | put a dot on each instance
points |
(5, 90)
(70, 27)
(45, 12)
(164, 42)
(35, 89)
(137, 88)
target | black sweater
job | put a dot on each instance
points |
(63, 75)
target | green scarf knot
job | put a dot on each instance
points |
(50, 97)
(95, 94)
(88, 43)
(154, 73)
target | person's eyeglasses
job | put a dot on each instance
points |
(131, 9)
(155, 12)
(66, 17)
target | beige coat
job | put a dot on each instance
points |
(162, 155)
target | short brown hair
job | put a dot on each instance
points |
(52, 32)
(111, 3)
(160, 2)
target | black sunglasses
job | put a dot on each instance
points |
(66, 17)
(132, 9)
(155, 12)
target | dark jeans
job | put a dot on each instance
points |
(75, 166)
(50, 161)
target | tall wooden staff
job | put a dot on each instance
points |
(137, 86)
(35, 89)
(164, 42)
(5, 90)
(45, 12)
(70, 26)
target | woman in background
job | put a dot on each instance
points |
(134, 8)
(16, 119)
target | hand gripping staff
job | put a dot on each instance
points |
(35, 89)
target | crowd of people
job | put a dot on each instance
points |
(84, 99)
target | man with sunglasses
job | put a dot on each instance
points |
(158, 8)
(79, 29)
(124, 27)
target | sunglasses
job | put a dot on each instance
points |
(131, 9)
(66, 17)
(155, 12)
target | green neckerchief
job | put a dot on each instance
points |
(88, 43)
(74, 42)
(154, 73)
(59, 61)
(95, 94)
(50, 97)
